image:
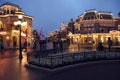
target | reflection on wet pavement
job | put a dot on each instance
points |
(11, 68)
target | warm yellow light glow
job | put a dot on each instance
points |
(3, 33)
(94, 38)
(19, 22)
(23, 34)
(24, 23)
(7, 15)
(24, 26)
(15, 23)
(76, 40)
(70, 34)
(7, 37)
(85, 35)
(107, 36)
(118, 36)
(20, 16)
(102, 39)
(0, 22)
(114, 32)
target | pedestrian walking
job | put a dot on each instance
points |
(61, 45)
(25, 45)
(117, 43)
(14, 44)
(55, 46)
(2, 47)
(109, 42)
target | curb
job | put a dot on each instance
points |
(27, 65)
(69, 67)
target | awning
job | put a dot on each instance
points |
(23, 37)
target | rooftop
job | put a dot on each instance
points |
(8, 3)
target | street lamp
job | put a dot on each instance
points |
(19, 23)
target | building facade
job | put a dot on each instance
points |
(93, 27)
(9, 32)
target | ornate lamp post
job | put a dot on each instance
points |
(19, 23)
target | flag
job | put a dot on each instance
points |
(41, 34)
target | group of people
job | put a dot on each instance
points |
(2, 46)
(109, 42)
(58, 45)
(24, 44)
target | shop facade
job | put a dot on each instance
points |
(93, 27)
(9, 32)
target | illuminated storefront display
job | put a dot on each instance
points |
(94, 38)
(96, 27)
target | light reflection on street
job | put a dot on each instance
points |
(11, 68)
(75, 48)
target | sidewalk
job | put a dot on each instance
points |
(11, 67)
(8, 53)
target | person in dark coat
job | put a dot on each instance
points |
(109, 42)
(100, 47)
(2, 47)
(61, 45)
(14, 44)
(25, 45)
(55, 46)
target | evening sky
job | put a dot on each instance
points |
(49, 14)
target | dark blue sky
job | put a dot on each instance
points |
(49, 14)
